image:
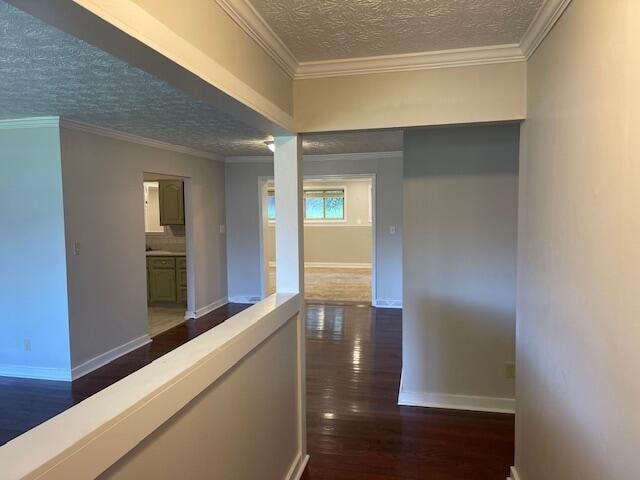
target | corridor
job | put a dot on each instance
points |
(356, 430)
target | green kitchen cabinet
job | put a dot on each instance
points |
(166, 279)
(162, 285)
(171, 196)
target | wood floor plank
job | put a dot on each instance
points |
(356, 430)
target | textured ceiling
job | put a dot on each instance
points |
(352, 142)
(335, 29)
(44, 71)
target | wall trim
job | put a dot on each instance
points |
(514, 474)
(297, 467)
(407, 62)
(397, 154)
(130, 137)
(39, 373)
(456, 402)
(29, 122)
(245, 299)
(189, 314)
(387, 303)
(248, 18)
(542, 23)
(108, 356)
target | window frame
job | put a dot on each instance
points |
(316, 221)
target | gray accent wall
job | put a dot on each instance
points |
(460, 217)
(104, 212)
(33, 286)
(243, 222)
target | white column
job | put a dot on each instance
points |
(289, 253)
(289, 226)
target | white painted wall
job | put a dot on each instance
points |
(460, 217)
(243, 240)
(33, 285)
(221, 433)
(104, 211)
(578, 330)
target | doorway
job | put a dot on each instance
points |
(339, 244)
(166, 251)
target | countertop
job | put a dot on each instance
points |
(165, 253)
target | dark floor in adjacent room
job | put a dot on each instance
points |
(356, 430)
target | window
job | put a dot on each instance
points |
(324, 204)
(319, 205)
(271, 205)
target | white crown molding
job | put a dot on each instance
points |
(542, 23)
(411, 61)
(32, 122)
(129, 137)
(319, 158)
(248, 18)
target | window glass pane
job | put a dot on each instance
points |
(271, 207)
(334, 208)
(314, 208)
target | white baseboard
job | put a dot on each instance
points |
(245, 299)
(456, 402)
(109, 356)
(387, 303)
(40, 373)
(514, 474)
(297, 468)
(332, 265)
(206, 309)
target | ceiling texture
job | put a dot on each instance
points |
(46, 72)
(317, 30)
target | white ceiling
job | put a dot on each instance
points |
(316, 30)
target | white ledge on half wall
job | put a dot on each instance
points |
(248, 18)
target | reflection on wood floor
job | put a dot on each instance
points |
(333, 284)
(357, 431)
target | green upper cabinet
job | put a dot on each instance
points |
(171, 202)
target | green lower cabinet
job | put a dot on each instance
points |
(162, 286)
(166, 280)
(182, 294)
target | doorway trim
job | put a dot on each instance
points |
(262, 215)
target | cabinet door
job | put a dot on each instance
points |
(182, 294)
(162, 286)
(171, 202)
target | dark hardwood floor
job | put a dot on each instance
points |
(356, 430)
(26, 403)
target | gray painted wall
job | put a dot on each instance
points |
(33, 286)
(104, 211)
(460, 217)
(243, 223)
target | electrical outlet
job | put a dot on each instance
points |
(510, 370)
(76, 248)
(27, 345)
(392, 230)
(223, 228)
